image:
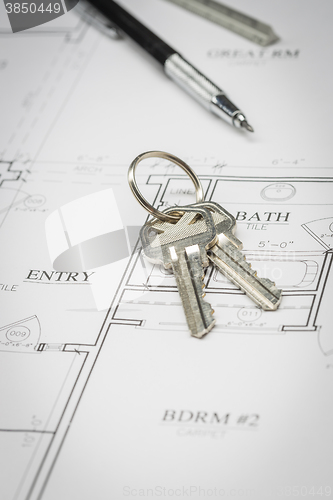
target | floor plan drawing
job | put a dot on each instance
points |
(302, 274)
(103, 390)
(281, 240)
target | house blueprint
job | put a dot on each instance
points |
(104, 394)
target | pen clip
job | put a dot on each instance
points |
(93, 17)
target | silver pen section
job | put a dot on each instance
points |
(204, 91)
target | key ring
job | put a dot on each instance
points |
(174, 159)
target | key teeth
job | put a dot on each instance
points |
(273, 305)
(190, 285)
(208, 312)
(269, 283)
(231, 263)
(204, 332)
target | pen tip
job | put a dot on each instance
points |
(247, 126)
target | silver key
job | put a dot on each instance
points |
(227, 256)
(183, 247)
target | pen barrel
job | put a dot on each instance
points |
(201, 88)
(132, 27)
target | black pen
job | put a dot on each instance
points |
(175, 66)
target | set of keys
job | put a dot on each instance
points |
(186, 239)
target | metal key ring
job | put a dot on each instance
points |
(174, 159)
